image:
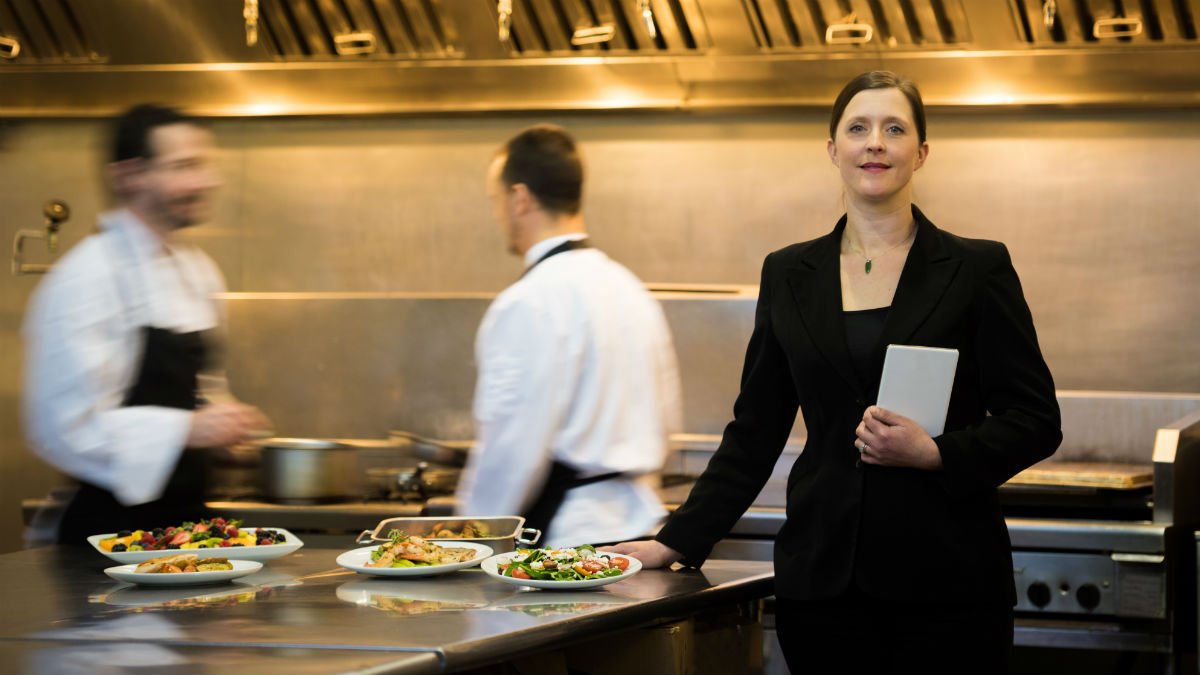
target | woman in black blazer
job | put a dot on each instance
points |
(894, 555)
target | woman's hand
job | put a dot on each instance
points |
(652, 553)
(888, 439)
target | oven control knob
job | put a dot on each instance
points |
(1088, 596)
(1038, 593)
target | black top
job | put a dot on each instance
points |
(864, 327)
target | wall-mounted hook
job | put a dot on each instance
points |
(56, 213)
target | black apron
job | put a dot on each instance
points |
(167, 377)
(562, 478)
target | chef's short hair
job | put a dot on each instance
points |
(544, 158)
(131, 135)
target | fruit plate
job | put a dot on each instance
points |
(129, 574)
(358, 558)
(291, 544)
(492, 567)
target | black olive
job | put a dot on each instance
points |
(117, 548)
(157, 532)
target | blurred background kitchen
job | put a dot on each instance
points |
(356, 240)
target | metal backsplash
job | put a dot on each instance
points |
(357, 365)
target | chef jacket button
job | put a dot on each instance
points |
(858, 463)
(860, 403)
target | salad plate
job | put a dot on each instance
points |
(291, 544)
(494, 567)
(358, 558)
(129, 574)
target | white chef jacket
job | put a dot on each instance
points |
(576, 364)
(83, 348)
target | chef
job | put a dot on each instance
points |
(120, 389)
(578, 386)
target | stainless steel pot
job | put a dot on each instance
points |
(448, 453)
(302, 470)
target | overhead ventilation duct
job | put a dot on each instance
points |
(44, 31)
(820, 24)
(300, 29)
(547, 27)
(350, 57)
(1094, 23)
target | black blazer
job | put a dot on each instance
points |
(899, 533)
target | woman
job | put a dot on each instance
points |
(894, 555)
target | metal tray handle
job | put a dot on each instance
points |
(528, 536)
(1116, 28)
(849, 33)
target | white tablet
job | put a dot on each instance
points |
(916, 383)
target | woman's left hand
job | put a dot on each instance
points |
(888, 439)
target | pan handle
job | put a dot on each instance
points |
(528, 536)
(370, 537)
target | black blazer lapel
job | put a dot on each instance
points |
(927, 274)
(816, 285)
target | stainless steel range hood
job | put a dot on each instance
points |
(304, 57)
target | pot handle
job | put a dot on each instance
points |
(370, 537)
(529, 536)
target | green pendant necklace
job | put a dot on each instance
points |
(867, 264)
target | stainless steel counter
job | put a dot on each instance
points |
(304, 605)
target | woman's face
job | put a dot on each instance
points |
(877, 148)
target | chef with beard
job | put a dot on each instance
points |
(120, 387)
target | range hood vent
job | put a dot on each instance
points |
(33, 31)
(553, 27)
(356, 29)
(824, 24)
(369, 57)
(1105, 23)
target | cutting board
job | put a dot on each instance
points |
(1087, 474)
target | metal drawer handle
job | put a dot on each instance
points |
(849, 33)
(528, 536)
(1116, 28)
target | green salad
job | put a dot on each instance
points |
(563, 564)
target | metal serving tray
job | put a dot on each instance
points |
(508, 532)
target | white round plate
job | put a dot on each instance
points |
(491, 566)
(358, 558)
(260, 553)
(128, 574)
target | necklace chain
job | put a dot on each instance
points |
(867, 264)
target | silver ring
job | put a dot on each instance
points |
(863, 449)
